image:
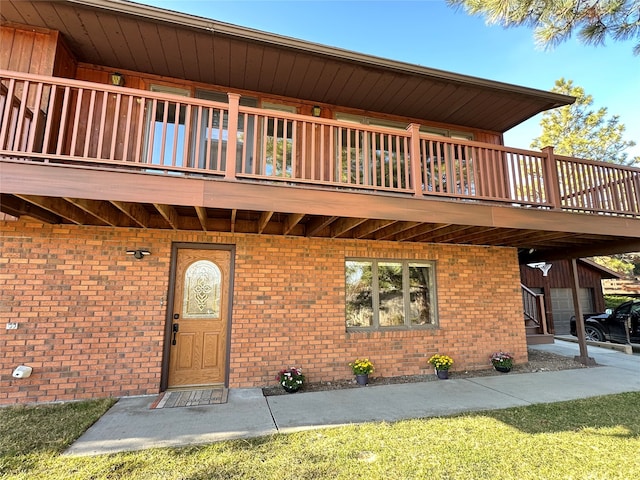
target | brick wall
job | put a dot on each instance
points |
(91, 318)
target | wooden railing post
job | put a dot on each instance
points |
(551, 178)
(232, 137)
(414, 156)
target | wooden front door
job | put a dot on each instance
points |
(198, 349)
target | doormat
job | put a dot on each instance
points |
(191, 398)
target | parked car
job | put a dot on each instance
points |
(611, 326)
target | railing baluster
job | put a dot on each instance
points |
(63, 120)
(89, 123)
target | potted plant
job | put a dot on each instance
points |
(291, 379)
(442, 364)
(502, 361)
(361, 368)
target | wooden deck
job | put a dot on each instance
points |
(92, 154)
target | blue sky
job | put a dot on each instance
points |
(428, 33)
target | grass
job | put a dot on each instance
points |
(596, 438)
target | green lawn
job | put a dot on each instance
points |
(596, 438)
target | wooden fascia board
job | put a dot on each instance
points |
(97, 184)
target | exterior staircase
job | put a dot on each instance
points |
(535, 319)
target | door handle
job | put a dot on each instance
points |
(175, 329)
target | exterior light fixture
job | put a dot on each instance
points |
(545, 267)
(116, 79)
(139, 253)
(316, 111)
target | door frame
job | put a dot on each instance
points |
(166, 351)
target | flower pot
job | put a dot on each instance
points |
(442, 374)
(362, 379)
(502, 369)
(291, 389)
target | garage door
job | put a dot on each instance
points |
(562, 305)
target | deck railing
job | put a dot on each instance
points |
(534, 310)
(62, 120)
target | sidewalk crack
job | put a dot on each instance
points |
(275, 424)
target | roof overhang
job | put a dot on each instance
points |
(131, 36)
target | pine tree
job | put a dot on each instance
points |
(579, 131)
(554, 21)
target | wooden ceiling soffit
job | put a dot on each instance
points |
(103, 211)
(134, 211)
(370, 227)
(62, 208)
(202, 217)
(476, 235)
(422, 229)
(169, 214)
(447, 235)
(264, 220)
(344, 225)
(17, 207)
(291, 221)
(315, 226)
(528, 237)
(391, 230)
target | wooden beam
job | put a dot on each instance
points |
(62, 208)
(202, 216)
(606, 248)
(103, 211)
(582, 341)
(168, 213)
(134, 211)
(264, 220)
(291, 221)
(343, 225)
(318, 224)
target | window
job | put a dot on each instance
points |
(390, 293)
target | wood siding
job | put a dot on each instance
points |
(29, 51)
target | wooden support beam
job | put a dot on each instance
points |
(202, 216)
(134, 211)
(291, 221)
(264, 220)
(168, 213)
(575, 288)
(343, 225)
(318, 224)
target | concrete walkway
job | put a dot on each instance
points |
(131, 425)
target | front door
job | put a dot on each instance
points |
(198, 350)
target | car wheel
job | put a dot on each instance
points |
(593, 333)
